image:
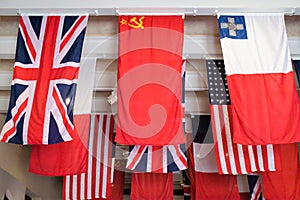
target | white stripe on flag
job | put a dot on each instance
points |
(67, 188)
(271, 161)
(260, 158)
(252, 160)
(241, 158)
(74, 191)
(149, 159)
(105, 159)
(98, 155)
(90, 158)
(228, 140)
(165, 159)
(219, 139)
(82, 184)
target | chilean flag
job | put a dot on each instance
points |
(265, 105)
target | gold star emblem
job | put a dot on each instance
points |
(123, 22)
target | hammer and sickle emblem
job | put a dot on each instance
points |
(136, 24)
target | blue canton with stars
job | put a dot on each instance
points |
(217, 83)
(233, 27)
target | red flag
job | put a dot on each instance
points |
(265, 104)
(149, 85)
(212, 186)
(119, 178)
(284, 184)
(149, 186)
(63, 158)
(96, 181)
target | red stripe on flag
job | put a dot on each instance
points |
(43, 82)
(224, 139)
(15, 119)
(62, 111)
(136, 159)
(180, 155)
(28, 41)
(71, 32)
(237, 158)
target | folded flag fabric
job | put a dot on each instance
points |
(264, 100)
(213, 186)
(63, 158)
(149, 85)
(44, 80)
(150, 186)
(96, 181)
(284, 184)
(233, 158)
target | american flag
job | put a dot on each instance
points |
(233, 158)
(96, 182)
(44, 79)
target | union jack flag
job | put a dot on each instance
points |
(255, 187)
(157, 159)
(44, 80)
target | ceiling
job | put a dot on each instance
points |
(116, 7)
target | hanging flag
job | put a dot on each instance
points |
(44, 80)
(265, 105)
(215, 186)
(255, 187)
(151, 186)
(74, 159)
(149, 85)
(67, 157)
(297, 69)
(96, 182)
(232, 158)
(284, 184)
(161, 159)
(119, 180)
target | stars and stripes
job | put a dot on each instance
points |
(44, 80)
(233, 158)
(96, 182)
